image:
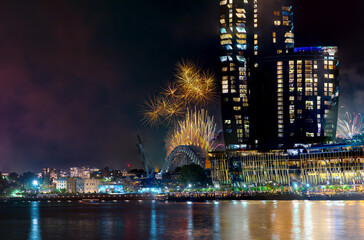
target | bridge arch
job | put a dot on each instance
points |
(183, 155)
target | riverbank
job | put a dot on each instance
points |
(262, 196)
(194, 197)
(80, 197)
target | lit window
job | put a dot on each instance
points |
(308, 134)
(286, 8)
(289, 35)
(240, 30)
(309, 105)
(239, 35)
(241, 41)
(224, 42)
(226, 36)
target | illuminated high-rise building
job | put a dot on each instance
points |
(234, 28)
(256, 36)
(300, 103)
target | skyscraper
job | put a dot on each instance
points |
(300, 101)
(257, 53)
(234, 28)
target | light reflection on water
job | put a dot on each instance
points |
(34, 233)
(153, 222)
(217, 223)
(210, 220)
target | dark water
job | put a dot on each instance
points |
(211, 220)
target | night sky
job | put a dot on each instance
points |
(73, 74)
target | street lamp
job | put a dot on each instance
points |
(35, 183)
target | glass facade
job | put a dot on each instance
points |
(336, 167)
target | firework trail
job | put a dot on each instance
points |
(197, 129)
(192, 87)
(350, 126)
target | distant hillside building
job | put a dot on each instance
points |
(50, 173)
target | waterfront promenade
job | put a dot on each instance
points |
(191, 196)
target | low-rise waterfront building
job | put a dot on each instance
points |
(333, 165)
(75, 185)
(61, 184)
(91, 185)
(111, 188)
(80, 185)
(71, 185)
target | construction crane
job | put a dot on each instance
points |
(146, 163)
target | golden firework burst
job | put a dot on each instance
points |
(197, 86)
(191, 87)
(197, 129)
(171, 90)
(152, 112)
(175, 111)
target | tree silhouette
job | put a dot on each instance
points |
(193, 174)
